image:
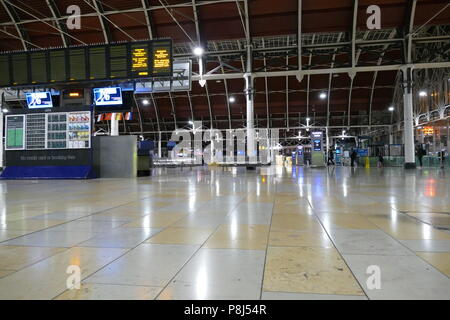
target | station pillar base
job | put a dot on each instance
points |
(410, 165)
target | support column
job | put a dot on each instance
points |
(159, 145)
(408, 132)
(448, 136)
(114, 125)
(251, 145)
(1, 139)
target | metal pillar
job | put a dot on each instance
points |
(448, 136)
(251, 150)
(408, 132)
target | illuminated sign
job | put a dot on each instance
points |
(139, 61)
(162, 58)
(428, 131)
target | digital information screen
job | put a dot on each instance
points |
(36, 100)
(97, 63)
(162, 58)
(317, 145)
(15, 132)
(108, 96)
(118, 61)
(139, 60)
(5, 79)
(144, 59)
(38, 62)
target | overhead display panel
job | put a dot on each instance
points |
(20, 69)
(118, 61)
(97, 63)
(123, 61)
(5, 78)
(140, 64)
(57, 60)
(162, 58)
(38, 64)
(77, 64)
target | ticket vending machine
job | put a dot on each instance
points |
(300, 156)
(338, 155)
(317, 158)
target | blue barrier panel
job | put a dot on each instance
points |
(49, 172)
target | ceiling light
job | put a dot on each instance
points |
(5, 110)
(391, 109)
(232, 99)
(145, 102)
(423, 93)
(191, 122)
(198, 51)
(323, 95)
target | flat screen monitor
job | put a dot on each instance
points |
(36, 100)
(108, 96)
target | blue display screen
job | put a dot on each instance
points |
(37, 100)
(108, 96)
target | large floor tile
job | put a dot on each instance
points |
(307, 296)
(93, 226)
(147, 265)
(120, 238)
(308, 270)
(439, 260)
(219, 274)
(212, 220)
(29, 224)
(283, 222)
(95, 291)
(155, 220)
(350, 241)
(48, 278)
(239, 236)
(345, 221)
(427, 245)
(174, 235)
(48, 238)
(293, 238)
(16, 258)
(402, 277)
(11, 234)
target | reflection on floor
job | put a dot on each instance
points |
(229, 234)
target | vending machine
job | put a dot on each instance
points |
(300, 156)
(317, 157)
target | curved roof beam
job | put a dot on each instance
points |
(15, 19)
(43, 21)
(56, 15)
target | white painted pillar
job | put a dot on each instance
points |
(448, 136)
(408, 132)
(1, 139)
(114, 125)
(159, 145)
(251, 145)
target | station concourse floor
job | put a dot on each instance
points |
(214, 233)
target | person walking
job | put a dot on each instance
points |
(420, 152)
(353, 156)
(330, 157)
(380, 160)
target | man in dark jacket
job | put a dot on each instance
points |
(353, 156)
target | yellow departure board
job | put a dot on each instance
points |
(139, 60)
(162, 58)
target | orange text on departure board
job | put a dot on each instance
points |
(161, 59)
(140, 58)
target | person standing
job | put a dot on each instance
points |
(353, 156)
(330, 157)
(380, 160)
(442, 158)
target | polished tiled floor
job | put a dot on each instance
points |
(220, 233)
